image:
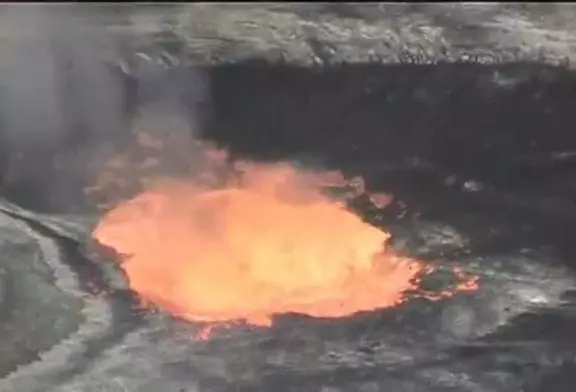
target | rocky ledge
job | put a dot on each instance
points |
(333, 32)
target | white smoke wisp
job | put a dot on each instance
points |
(65, 100)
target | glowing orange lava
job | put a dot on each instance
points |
(272, 245)
(266, 241)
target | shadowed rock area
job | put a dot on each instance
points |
(479, 153)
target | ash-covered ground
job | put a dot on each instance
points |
(480, 156)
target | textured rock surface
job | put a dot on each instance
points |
(330, 32)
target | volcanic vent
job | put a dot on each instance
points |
(244, 241)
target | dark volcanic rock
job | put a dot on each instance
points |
(312, 33)
(325, 32)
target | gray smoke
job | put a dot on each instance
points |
(65, 101)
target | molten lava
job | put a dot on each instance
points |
(264, 241)
(271, 245)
